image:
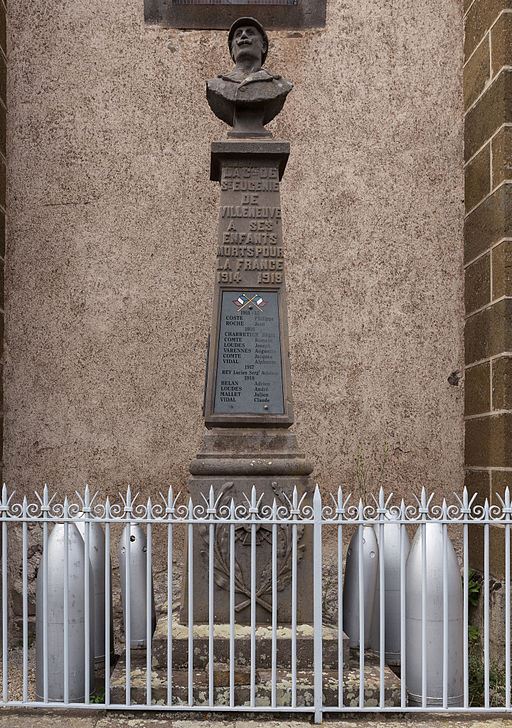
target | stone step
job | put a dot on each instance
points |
(242, 646)
(263, 686)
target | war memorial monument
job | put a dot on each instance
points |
(248, 449)
(248, 407)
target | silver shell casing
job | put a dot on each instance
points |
(370, 557)
(97, 560)
(55, 618)
(390, 553)
(434, 619)
(138, 572)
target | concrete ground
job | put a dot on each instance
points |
(98, 719)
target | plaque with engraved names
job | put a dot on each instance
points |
(249, 377)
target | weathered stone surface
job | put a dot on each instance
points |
(233, 461)
(477, 177)
(110, 252)
(502, 155)
(242, 645)
(487, 441)
(116, 719)
(478, 482)
(502, 383)
(481, 15)
(488, 223)
(502, 269)
(54, 719)
(492, 110)
(477, 291)
(477, 389)
(476, 74)
(248, 378)
(501, 42)
(264, 685)
(489, 332)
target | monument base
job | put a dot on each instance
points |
(233, 460)
(221, 646)
(201, 657)
(263, 692)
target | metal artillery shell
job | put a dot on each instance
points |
(370, 563)
(97, 559)
(390, 553)
(434, 619)
(138, 571)
(55, 618)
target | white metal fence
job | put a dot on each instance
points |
(395, 577)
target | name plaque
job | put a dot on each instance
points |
(249, 377)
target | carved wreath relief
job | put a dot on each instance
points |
(263, 536)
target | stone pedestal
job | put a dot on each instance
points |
(233, 460)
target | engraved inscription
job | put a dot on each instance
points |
(250, 251)
(249, 369)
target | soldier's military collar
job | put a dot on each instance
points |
(261, 75)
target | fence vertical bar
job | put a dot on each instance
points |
(170, 513)
(128, 597)
(294, 514)
(382, 601)
(317, 604)
(149, 596)
(445, 606)
(507, 598)
(423, 526)
(340, 511)
(486, 605)
(190, 528)
(361, 602)
(66, 601)
(87, 601)
(232, 535)
(253, 510)
(5, 599)
(274, 605)
(45, 509)
(108, 636)
(211, 593)
(403, 660)
(24, 547)
(466, 512)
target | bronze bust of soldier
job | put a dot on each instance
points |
(250, 96)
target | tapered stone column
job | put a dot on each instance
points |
(248, 398)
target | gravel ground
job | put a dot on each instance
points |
(62, 719)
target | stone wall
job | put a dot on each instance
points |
(3, 125)
(112, 222)
(488, 256)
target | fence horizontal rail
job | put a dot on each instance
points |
(284, 601)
